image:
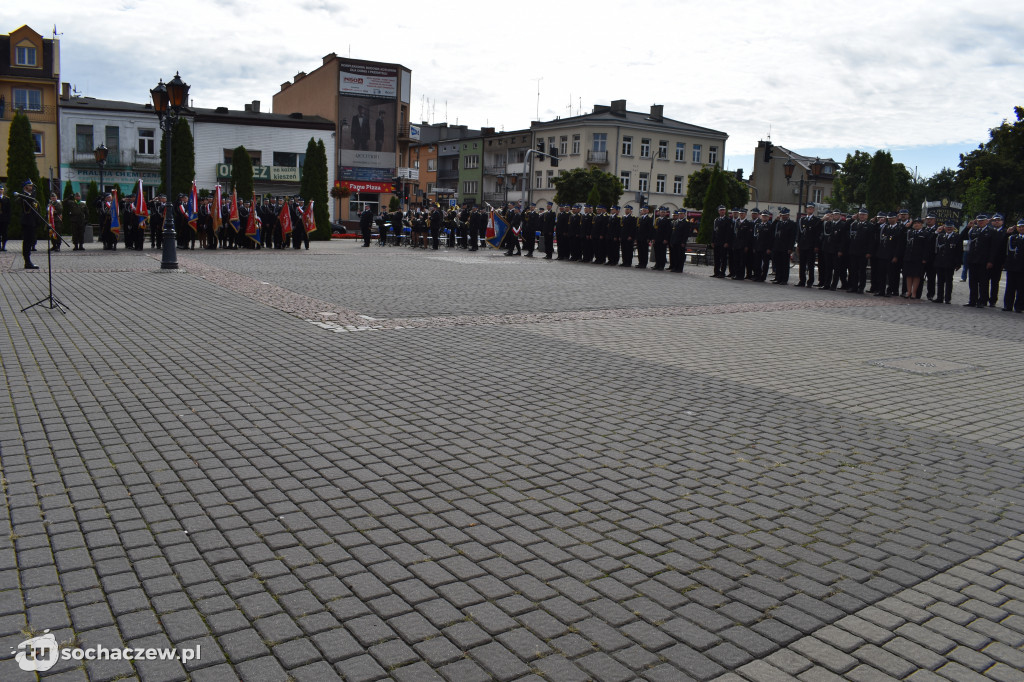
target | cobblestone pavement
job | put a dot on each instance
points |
(385, 464)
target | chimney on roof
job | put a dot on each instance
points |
(487, 131)
(657, 112)
(618, 106)
(330, 56)
(248, 108)
(299, 76)
(255, 106)
(285, 85)
(65, 91)
(601, 108)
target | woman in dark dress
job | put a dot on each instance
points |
(915, 255)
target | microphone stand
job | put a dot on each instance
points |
(50, 298)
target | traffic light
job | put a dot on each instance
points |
(554, 156)
(768, 152)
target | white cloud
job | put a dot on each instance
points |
(866, 74)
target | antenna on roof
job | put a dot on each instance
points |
(538, 96)
(769, 132)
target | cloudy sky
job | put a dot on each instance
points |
(923, 79)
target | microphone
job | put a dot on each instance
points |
(25, 196)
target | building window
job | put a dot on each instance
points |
(83, 139)
(663, 149)
(289, 159)
(113, 139)
(600, 142)
(659, 185)
(645, 148)
(469, 187)
(472, 161)
(677, 185)
(712, 154)
(431, 165)
(28, 100)
(538, 181)
(643, 183)
(25, 56)
(817, 196)
(563, 145)
(681, 151)
(625, 176)
(551, 179)
(37, 144)
(575, 144)
(147, 141)
(696, 153)
(627, 146)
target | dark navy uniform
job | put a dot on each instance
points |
(721, 236)
(783, 239)
(627, 236)
(808, 244)
(949, 253)
(645, 235)
(1013, 299)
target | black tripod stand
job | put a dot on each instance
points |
(53, 301)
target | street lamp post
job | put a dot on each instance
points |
(168, 101)
(100, 154)
(815, 171)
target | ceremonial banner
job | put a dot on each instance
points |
(496, 229)
(215, 211)
(192, 210)
(253, 225)
(233, 216)
(140, 207)
(308, 219)
(285, 218)
(52, 221)
(115, 213)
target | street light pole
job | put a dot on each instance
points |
(100, 154)
(168, 101)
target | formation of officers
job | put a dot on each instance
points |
(203, 235)
(888, 255)
(905, 255)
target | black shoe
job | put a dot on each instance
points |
(547, 257)
(936, 301)
(969, 305)
(799, 284)
(30, 266)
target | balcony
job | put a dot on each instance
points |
(494, 170)
(403, 134)
(598, 158)
(116, 159)
(45, 114)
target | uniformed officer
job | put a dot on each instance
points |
(1013, 298)
(436, 218)
(573, 232)
(949, 251)
(677, 241)
(808, 244)
(5, 217)
(562, 231)
(721, 235)
(742, 237)
(366, 225)
(585, 237)
(999, 240)
(627, 236)
(915, 254)
(784, 237)
(763, 236)
(645, 235)
(547, 228)
(29, 219)
(888, 251)
(931, 229)
(858, 244)
(612, 236)
(662, 237)
(979, 260)
(597, 238)
(531, 221)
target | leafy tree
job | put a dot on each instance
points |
(241, 173)
(737, 193)
(978, 197)
(717, 194)
(881, 189)
(942, 185)
(574, 186)
(69, 194)
(394, 204)
(1001, 161)
(321, 210)
(850, 184)
(21, 165)
(594, 196)
(183, 161)
(92, 199)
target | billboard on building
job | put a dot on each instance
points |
(368, 113)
